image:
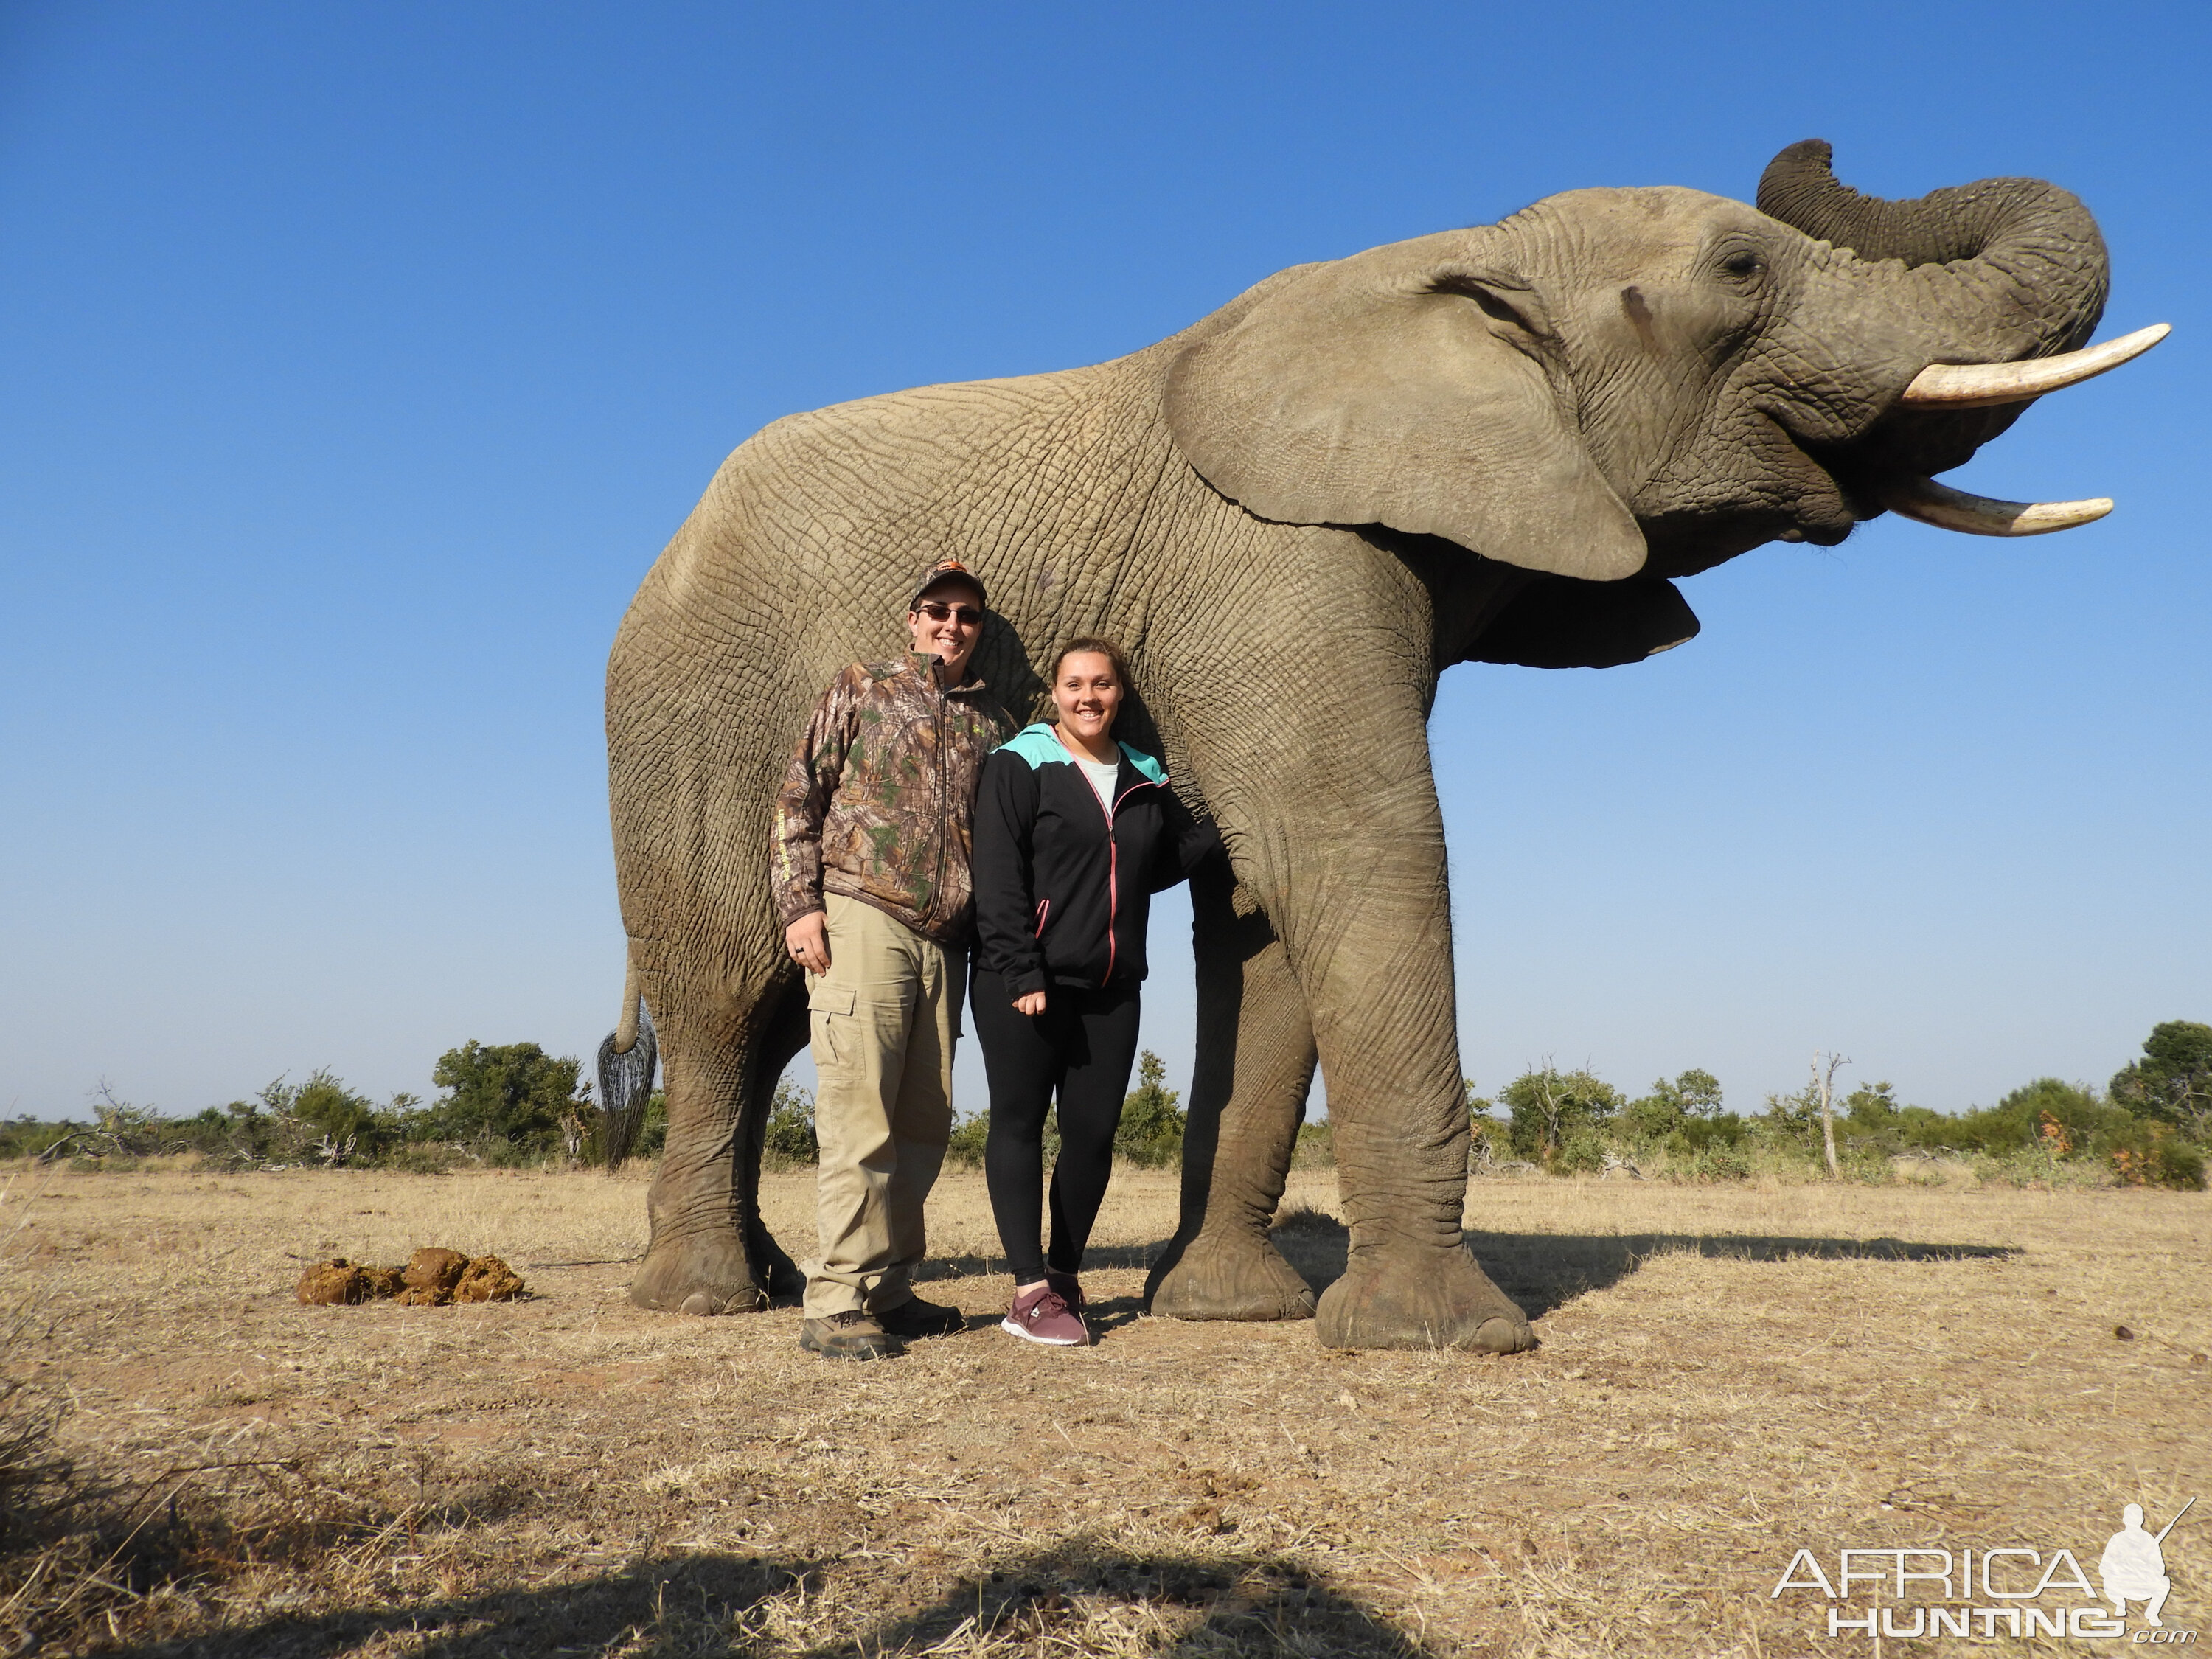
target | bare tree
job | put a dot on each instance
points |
(1824, 1084)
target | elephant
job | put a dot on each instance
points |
(1502, 444)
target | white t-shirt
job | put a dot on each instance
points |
(1101, 775)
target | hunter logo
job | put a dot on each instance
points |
(2011, 1589)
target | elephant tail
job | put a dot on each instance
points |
(626, 1027)
(627, 1060)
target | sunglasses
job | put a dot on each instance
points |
(966, 614)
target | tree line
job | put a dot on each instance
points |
(514, 1104)
(2150, 1126)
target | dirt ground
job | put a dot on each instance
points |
(1727, 1375)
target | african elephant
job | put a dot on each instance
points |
(1498, 444)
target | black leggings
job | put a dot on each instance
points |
(1082, 1045)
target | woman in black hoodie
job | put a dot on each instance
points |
(1075, 833)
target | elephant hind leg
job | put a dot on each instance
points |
(1256, 1064)
(710, 1252)
(786, 1035)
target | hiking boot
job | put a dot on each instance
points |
(914, 1317)
(1040, 1315)
(1069, 1289)
(854, 1335)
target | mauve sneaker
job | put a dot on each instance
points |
(1069, 1290)
(1040, 1315)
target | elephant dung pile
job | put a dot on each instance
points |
(432, 1279)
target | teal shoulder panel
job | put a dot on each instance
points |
(1149, 769)
(1038, 745)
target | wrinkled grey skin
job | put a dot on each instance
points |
(1493, 444)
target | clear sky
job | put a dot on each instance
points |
(356, 361)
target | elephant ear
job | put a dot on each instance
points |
(1403, 386)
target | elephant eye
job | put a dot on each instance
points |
(1743, 263)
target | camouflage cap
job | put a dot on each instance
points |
(939, 572)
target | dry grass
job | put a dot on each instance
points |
(1727, 1373)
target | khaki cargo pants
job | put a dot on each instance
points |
(882, 1021)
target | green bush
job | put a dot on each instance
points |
(1582, 1151)
(1315, 1147)
(2172, 1081)
(2154, 1155)
(1722, 1161)
(513, 1093)
(970, 1135)
(1549, 1106)
(653, 1128)
(788, 1139)
(1691, 1097)
(1151, 1132)
(26, 1137)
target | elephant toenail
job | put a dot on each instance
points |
(1502, 1336)
(701, 1303)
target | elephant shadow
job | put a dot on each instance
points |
(1542, 1272)
(704, 1603)
(1545, 1270)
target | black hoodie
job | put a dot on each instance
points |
(1063, 887)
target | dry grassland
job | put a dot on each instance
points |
(1726, 1374)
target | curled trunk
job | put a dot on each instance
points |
(2026, 257)
(2003, 269)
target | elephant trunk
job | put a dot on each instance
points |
(2023, 258)
(1997, 274)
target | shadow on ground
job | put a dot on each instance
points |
(1074, 1597)
(1544, 1271)
(1540, 1271)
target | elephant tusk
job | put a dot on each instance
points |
(1970, 386)
(1977, 515)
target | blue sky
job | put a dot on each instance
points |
(355, 362)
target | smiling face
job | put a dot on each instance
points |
(946, 622)
(1087, 692)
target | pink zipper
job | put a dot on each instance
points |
(1043, 905)
(1114, 874)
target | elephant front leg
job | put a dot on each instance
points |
(1255, 1063)
(1373, 941)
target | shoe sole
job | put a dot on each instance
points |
(1013, 1329)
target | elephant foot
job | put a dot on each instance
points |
(698, 1273)
(1228, 1275)
(773, 1269)
(1420, 1297)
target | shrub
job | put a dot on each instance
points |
(2153, 1155)
(2173, 1079)
(1720, 1162)
(515, 1093)
(965, 1148)
(788, 1137)
(1315, 1148)
(26, 1137)
(1151, 1132)
(1582, 1151)
(1549, 1105)
(1692, 1096)
(652, 1130)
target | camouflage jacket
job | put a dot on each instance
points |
(880, 801)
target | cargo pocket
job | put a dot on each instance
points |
(830, 1013)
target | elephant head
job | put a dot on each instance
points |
(1616, 382)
